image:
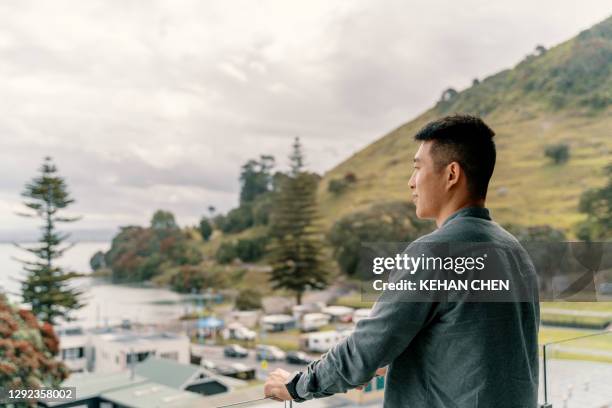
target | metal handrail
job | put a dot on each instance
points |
(547, 404)
(288, 404)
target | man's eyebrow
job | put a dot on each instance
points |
(416, 159)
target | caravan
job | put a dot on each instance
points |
(320, 342)
(313, 321)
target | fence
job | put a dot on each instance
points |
(577, 372)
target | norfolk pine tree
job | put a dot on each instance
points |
(297, 256)
(46, 286)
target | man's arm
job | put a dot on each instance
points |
(376, 342)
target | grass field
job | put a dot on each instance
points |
(594, 348)
(577, 314)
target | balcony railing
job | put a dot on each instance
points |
(288, 404)
(576, 372)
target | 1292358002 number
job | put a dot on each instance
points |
(47, 394)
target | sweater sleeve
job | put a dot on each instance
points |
(375, 343)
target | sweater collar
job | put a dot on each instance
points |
(478, 212)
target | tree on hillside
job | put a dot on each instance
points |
(205, 228)
(256, 186)
(540, 50)
(138, 254)
(596, 203)
(558, 153)
(163, 220)
(46, 287)
(255, 178)
(448, 95)
(97, 261)
(297, 258)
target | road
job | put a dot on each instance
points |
(215, 355)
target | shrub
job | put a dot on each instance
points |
(251, 249)
(559, 153)
(197, 278)
(248, 299)
(337, 186)
(237, 220)
(226, 253)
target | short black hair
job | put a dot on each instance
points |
(467, 140)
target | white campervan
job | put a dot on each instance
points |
(313, 321)
(320, 342)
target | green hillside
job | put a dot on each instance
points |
(560, 95)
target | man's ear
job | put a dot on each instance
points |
(453, 172)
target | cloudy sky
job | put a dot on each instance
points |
(156, 104)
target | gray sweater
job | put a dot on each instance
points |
(444, 354)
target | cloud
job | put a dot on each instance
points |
(148, 105)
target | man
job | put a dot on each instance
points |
(441, 354)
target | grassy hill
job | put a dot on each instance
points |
(560, 95)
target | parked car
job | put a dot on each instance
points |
(270, 353)
(207, 364)
(298, 357)
(237, 331)
(236, 370)
(235, 351)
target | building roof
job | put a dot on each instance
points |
(151, 395)
(277, 319)
(315, 316)
(168, 372)
(136, 337)
(91, 385)
(338, 310)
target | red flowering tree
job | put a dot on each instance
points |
(27, 348)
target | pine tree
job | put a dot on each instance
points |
(297, 256)
(46, 286)
(296, 159)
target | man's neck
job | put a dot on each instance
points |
(452, 208)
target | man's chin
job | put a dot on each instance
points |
(423, 215)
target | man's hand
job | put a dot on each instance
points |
(379, 373)
(275, 385)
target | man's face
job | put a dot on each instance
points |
(427, 184)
